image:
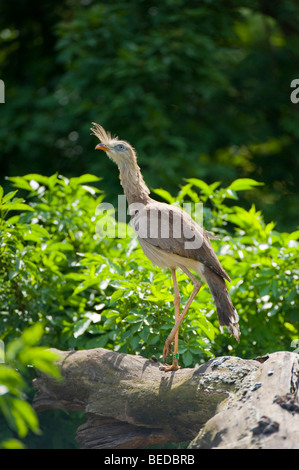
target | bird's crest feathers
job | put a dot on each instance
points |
(101, 134)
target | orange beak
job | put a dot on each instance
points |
(102, 147)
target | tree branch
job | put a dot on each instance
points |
(129, 403)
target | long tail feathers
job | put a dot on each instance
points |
(227, 314)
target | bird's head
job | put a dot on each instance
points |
(119, 151)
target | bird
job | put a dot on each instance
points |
(171, 239)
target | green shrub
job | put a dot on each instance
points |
(103, 292)
(17, 356)
(86, 291)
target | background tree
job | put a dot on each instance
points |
(204, 87)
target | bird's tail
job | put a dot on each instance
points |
(227, 314)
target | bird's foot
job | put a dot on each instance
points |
(166, 368)
(174, 366)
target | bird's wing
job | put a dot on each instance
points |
(172, 230)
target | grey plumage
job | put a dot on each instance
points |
(169, 236)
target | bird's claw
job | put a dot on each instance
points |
(174, 366)
(175, 363)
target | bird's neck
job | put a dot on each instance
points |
(132, 181)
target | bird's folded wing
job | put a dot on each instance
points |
(172, 230)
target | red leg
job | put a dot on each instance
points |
(173, 336)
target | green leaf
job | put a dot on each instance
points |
(144, 333)
(291, 328)
(37, 177)
(39, 230)
(81, 326)
(294, 235)
(200, 184)
(164, 195)
(11, 206)
(134, 341)
(116, 295)
(24, 417)
(12, 444)
(275, 288)
(243, 184)
(32, 336)
(11, 379)
(153, 339)
(87, 178)
(75, 276)
(99, 342)
(86, 285)
(12, 274)
(20, 182)
(231, 194)
(9, 196)
(187, 358)
(41, 359)
(63, 246)
(133, 318)
(13, 220)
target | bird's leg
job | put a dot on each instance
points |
(175, 330)
(177, 303)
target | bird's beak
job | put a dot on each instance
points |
(102, 147)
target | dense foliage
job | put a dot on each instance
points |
(92, 291)
(87, 291)
(203, 86)
(16, 359)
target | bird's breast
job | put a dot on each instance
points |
(165, 259)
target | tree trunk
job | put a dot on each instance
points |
(129, 403)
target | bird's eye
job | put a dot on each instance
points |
(120, 147)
